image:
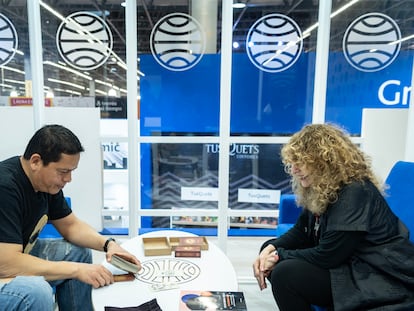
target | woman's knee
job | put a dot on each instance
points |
(296, 278)
(290, 274)
(282, 272)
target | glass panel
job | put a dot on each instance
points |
(14, 54)
(370, 62)
(84, 54)
(185, 176)
(257, 180)
(273, 66)
(178, 43)
(256, 166)
(116, 199)
(178, 176)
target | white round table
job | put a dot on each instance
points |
(215, 273)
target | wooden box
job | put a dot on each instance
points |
(189, 241)
(157, 246)
(187, 251)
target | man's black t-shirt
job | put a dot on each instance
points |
(21, 207)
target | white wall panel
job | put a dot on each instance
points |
(384, 133)
(85, 190)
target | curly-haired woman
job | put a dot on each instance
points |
(347, 250)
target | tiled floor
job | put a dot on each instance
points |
(242, 251)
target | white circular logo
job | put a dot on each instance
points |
(8, 40)
(177, 42)
(84, 40)
(274, 43)
(369, 43)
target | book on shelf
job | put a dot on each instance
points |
(211, 300)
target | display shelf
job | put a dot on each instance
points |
(214, 224)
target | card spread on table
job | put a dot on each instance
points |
(123, 264)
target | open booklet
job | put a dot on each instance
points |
(211, 300)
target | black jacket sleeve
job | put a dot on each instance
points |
(296, 237)
(334, 249)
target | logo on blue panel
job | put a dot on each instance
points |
(274, 43)
(8, 40)
(84, 40)
(177, 42)
(372, 42)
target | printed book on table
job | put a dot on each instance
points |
(211, 300)
(187, 251)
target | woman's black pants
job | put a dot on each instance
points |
(297, 285)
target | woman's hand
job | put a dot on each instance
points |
(264, 264)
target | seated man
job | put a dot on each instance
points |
(31, 194)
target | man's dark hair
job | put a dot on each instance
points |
(51, 141)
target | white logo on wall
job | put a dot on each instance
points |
(274, 43)
(8, 40)
(84, 40)
(177, 42)
(371, 42)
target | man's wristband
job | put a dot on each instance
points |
(105, 247)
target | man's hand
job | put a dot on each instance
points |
(95, 275)
(264, 264)
(114, 248)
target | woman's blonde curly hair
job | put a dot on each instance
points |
(331, 158)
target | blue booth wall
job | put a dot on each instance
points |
(266, 103)
(349, 91)
(187, 103)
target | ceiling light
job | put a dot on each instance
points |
(13, 69)
(112, 92)
(239, 5)
(64, 67)
(8, 86)
(68, 91)
(18, 52)
(100, 13)
(78, 86)
(103, 82)
(50, 94)
(15, 81)
(100, 92)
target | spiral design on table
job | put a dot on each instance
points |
(168, 270)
